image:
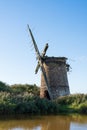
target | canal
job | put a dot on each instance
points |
(60, 122)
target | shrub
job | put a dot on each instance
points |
(4, 87)
(83, 108)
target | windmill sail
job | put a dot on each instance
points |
(40, 63)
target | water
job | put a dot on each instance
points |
(73, 122)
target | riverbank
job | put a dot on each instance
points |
(24, 99)
(76, 103)
(24, 104)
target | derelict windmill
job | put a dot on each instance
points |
(54, 82)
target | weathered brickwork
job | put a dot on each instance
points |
(56, 72)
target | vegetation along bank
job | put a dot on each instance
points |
(24, 99)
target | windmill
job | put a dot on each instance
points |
(40, 58)
(54, 81)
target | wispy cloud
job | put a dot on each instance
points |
(81, 59)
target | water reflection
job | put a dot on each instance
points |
(74, 122)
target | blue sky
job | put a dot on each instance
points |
(61, 23)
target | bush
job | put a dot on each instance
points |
(83, 108)
(74, 99)
(24, 99)
(21, 89)
(4, 87)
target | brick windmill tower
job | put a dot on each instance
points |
(54, 81)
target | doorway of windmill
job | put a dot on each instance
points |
(46, 94)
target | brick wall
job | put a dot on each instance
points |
(56, 72)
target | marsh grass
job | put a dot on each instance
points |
(24, 99)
